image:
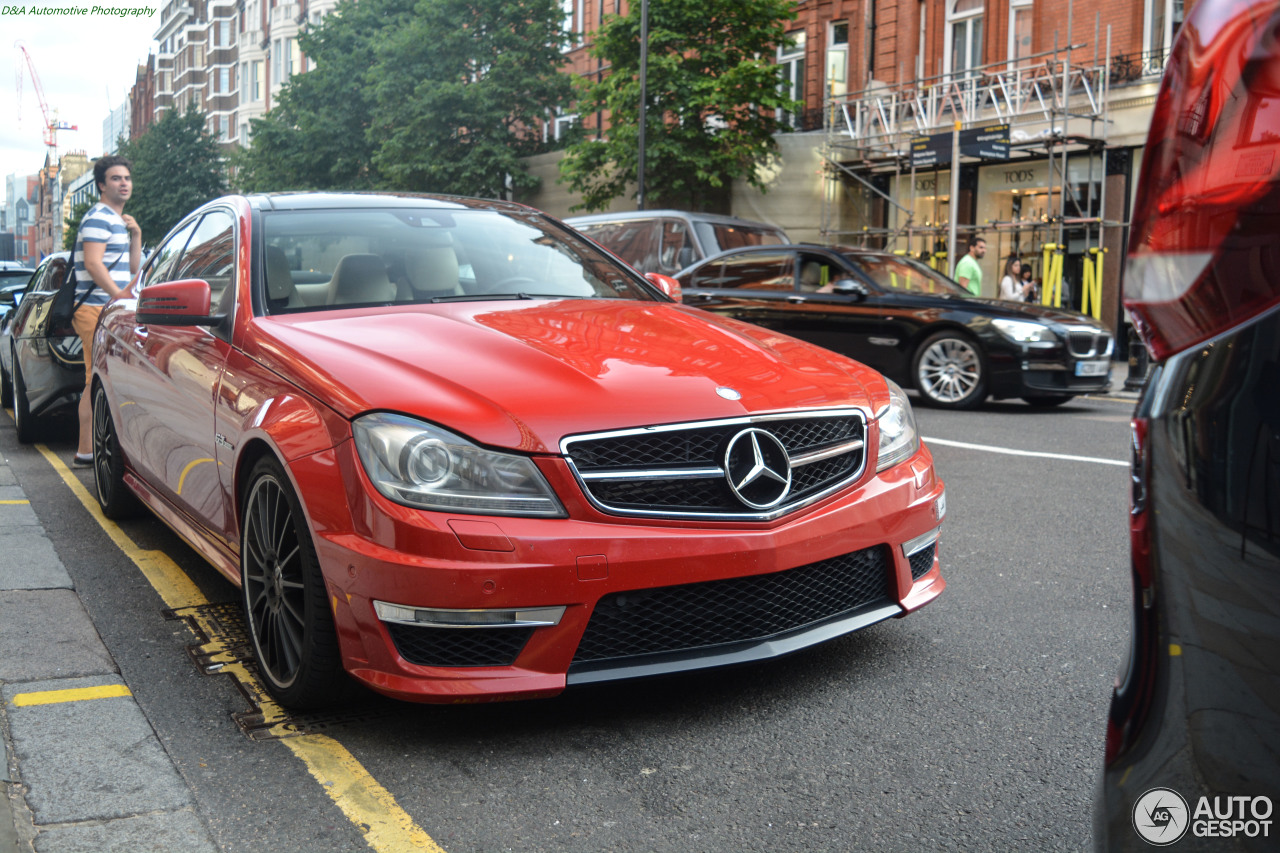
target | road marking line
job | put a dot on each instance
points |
(1175, 650)
(11, 503)
(78, 694)
(1011, 452)
(373, 809)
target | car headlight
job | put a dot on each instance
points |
(1024, 332)
(899, 439)
(423, 466)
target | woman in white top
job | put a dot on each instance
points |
(1011, 286)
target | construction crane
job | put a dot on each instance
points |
(51, 122)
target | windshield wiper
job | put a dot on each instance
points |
(481, 297)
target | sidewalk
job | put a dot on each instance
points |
(83, 769)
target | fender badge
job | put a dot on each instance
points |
(728, 393)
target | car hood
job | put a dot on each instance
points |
(523, 375)
(1030, 311)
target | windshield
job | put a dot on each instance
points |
(904, 275)
(328, 259)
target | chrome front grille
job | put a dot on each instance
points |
(1088, 343)
(679, 470)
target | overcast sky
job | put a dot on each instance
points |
(87, 65)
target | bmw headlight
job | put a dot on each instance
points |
(898, 437)
(423, 466)
(1023, 332)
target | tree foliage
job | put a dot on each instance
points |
(71, 225)
(415, 95)
(177, 166)
(712, 93)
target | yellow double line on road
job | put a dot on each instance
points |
(386, 827)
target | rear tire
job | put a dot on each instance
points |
(22, 419)
(115, 498)
(282, 589)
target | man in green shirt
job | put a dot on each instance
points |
(968, 273)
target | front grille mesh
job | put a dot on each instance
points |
(702, 447)
(696, 616)
(431, 646)
(922, 562)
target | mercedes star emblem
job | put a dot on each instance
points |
(757, 468)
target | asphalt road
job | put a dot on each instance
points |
(975, 724)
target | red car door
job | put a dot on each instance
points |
(177, 372)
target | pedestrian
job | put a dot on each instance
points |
(968, 273)
(107, 255)
(1032, 288)
(1012, 286)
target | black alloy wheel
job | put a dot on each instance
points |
(22, 419)
(949, 371)
(283, 592)
(115, 498)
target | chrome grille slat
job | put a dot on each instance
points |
(677, 470)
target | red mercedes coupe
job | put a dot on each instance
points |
(453, 449)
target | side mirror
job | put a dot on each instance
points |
(177, 303)
(666, 284)
(850, 287)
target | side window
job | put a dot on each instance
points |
(166, 257)
(708, 275)
(677, 250)
(635, 241)
(47, 277)
(210, 254)
(759, 271)
(817, 274)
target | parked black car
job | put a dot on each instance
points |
(12, 272)
(916, 326)
(42, 374)
(1193, 735)
(666, 241)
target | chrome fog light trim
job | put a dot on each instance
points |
(440, 617)
(918, 544)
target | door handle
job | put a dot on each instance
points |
(796, 300)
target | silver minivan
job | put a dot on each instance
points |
(667, 241)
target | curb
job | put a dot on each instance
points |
(84, 772)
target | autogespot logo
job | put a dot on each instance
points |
(1160, 816)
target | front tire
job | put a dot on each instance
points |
(115, 498)
(22, 419)
(950, 372)
(282, 589)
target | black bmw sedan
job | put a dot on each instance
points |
(916, 326)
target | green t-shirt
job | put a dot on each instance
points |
(968, 268)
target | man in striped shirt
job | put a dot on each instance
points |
(107, 256)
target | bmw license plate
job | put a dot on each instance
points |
(1093, 368)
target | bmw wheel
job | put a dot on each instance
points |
(283, 592)
(115, 498)
(950, 372)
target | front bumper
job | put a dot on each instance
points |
(639, 597)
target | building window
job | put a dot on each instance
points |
(1163, 19)
(837, 59)
(288, 60)
(224, 81)
(275, 63)
(255, 80)
(572, 22)
(791, 70)
(1020, 33)
(964, 37)
(224, 129)
(224, 33)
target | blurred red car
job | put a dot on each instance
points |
(451, 447)
(1193, 735)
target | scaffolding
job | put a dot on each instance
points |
(1054, 109)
